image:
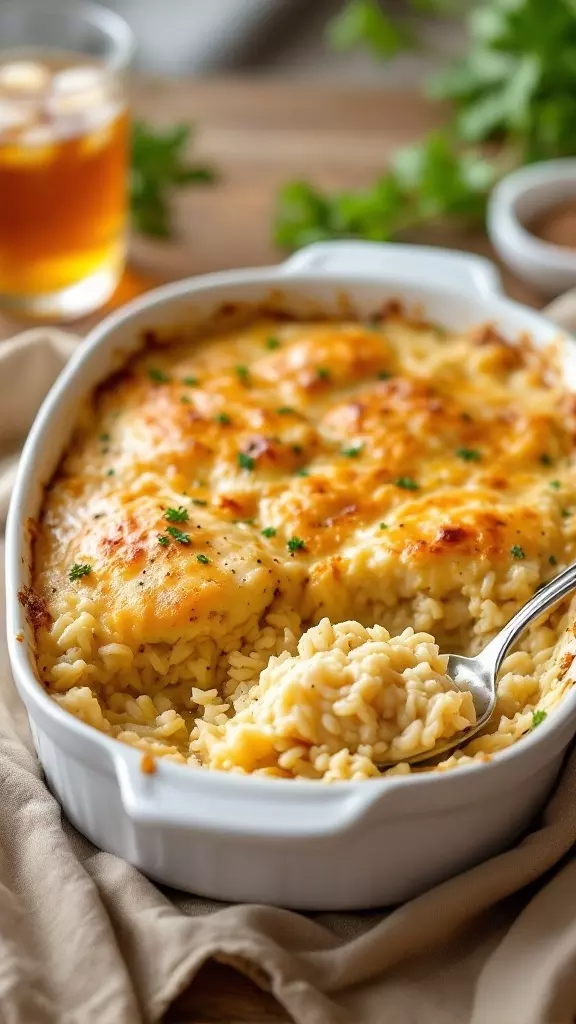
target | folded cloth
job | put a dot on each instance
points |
(84, 937)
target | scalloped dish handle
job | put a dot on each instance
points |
(413, 264)
(152, 800)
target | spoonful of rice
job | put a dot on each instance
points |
(348, 701)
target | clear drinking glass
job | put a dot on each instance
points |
(63, 156)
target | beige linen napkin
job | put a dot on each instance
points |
(86, 938)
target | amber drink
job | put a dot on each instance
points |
(63, 180)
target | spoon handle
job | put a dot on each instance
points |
(562, 585)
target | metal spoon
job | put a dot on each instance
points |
(478, 675)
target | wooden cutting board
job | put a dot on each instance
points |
(259, 134)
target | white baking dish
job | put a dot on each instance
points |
(293, 843)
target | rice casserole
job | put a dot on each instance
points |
(260, 543)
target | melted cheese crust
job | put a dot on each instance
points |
(338, 467)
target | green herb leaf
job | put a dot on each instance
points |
(185, 400)
(176, 515)
(353, 452)
(243, 373)
(555, 484)
(182, 538)
(111, 472)
(365, 23)
(384, 375)
(158, 376)
(269, 531)
(192, 382)
(223, 418)
(158, 166)
(295, 544)
(322, 373)
(200, 502)
(407, 483)
(553, 560)
(285, 410)
(272, 343)
(78, 570)
(538, 717)
(203, 559)
(383, 526)
(163, 540)
(303, 472)
(517, 552)
(246, 461)
(469, 454)
(104, 437)
(545, 460)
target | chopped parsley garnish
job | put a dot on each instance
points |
(190, 381)
(285, 410)
(322, 373)
(104, 437)
(384, 375)
(78, 570)
(223, 418)
(182, 538)
(469, 454)
(110, 472)
(439, 331)
(158, 376)
(303, 472)
(538, 717)
(407, 483)
(353, 452)
(555, 484)
(297, 449)
(546, 460)
(295, 544)
(552, 560)
(269, 531)
(163, 540)
(272, 343)
(565, 513)
(246, 461)
(383, 526)
(199, 501)
(242, 372)
(203, 559)
(517, 552)
(185, 400)
(244, 522)
(176, 515)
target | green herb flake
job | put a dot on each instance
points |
(538, 717)
(176, 515)
(182, 538)
(203, 559)
(111, 472)
(243, 373)
(546, 460)
(285, 410)
(163, 540)
(295, 544)
(565, 513)
(246, 461)
(78, 570)
(469, 454)
(383, 526)
(104, 437)
(158, 376)
(200, 502)
(517, 552)
(297, 449)
(323, 373)
(407, 483)
(384, 375)
(438, 330)
(353, 452)
(303, 472)
(552, 560)
(223, 418)
(191, 382)
(272, 343)
(555, 484)
(269, 531)
(185, 400)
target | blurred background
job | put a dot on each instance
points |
(275, 37)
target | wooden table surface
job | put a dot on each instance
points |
(260, 134)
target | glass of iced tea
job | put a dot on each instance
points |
(63, 156)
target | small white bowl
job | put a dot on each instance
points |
(517, 200)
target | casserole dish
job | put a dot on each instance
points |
(258, 839)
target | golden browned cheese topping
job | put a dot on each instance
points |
(311, 461)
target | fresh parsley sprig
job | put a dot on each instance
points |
(159, 165)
